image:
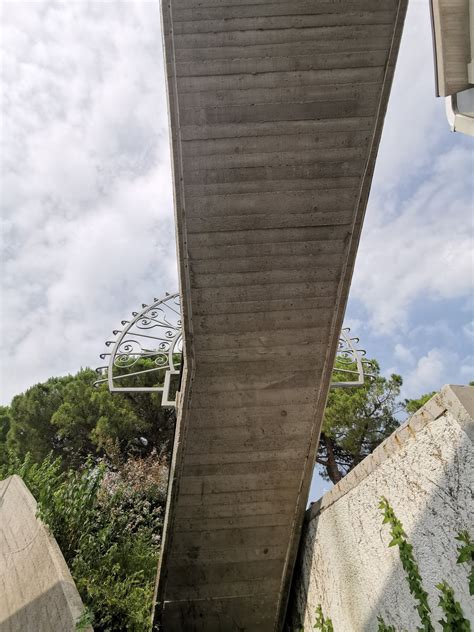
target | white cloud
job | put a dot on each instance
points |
(436, 367)
(468, 330)
(417, 241)
(426, 376)
(87, 221)
(467, 369)
(423, 251)
(414, 117)
(403, 354)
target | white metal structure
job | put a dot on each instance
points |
(151, 345)
(148, 345)
(460, 112)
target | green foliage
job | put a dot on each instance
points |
(70, 512)
(30, 416)
(96, 464)
(356, 421)
(409, 564)
(454, 621)
(322, 624)
(85, 620)
(466, 556)
(383, 627)
(42, 479)
(452, 610)
(71, 418)
(137, 488)
(90, 418)
(107, 524)
(4, 429)
(412, 405)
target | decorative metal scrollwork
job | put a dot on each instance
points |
(147, 353)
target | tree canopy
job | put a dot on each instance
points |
(412, 405)
(356, 421)
(71, 418)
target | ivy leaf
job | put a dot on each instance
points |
(464, 555)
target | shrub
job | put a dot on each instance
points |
(107, 524)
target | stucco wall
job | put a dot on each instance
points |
(426, 471)
(37, 592)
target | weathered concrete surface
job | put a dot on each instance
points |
(276, 112)
(426, 471)
(37, 592)
(452, 45)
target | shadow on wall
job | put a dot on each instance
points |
(41, 614)
(37, 592)
(426, 471)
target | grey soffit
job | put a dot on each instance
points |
(276, 112)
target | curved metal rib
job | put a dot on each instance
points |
(348, 355)
(151, 343)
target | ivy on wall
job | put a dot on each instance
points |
(466, 556)
(454, 620)
(322, 624)
(453, 617)
(410, 566)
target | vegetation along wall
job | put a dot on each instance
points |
(406, 510)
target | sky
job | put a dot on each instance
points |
(87, 226)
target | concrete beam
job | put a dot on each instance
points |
(276, 112)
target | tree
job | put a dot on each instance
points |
(71, 418)
(4, 428)
(30, 419)
(356, 421)
(412, 405)
(90, 419)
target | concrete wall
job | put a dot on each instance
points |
(426, 471)
(37, 592)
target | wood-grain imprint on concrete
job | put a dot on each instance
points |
(276, 112)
